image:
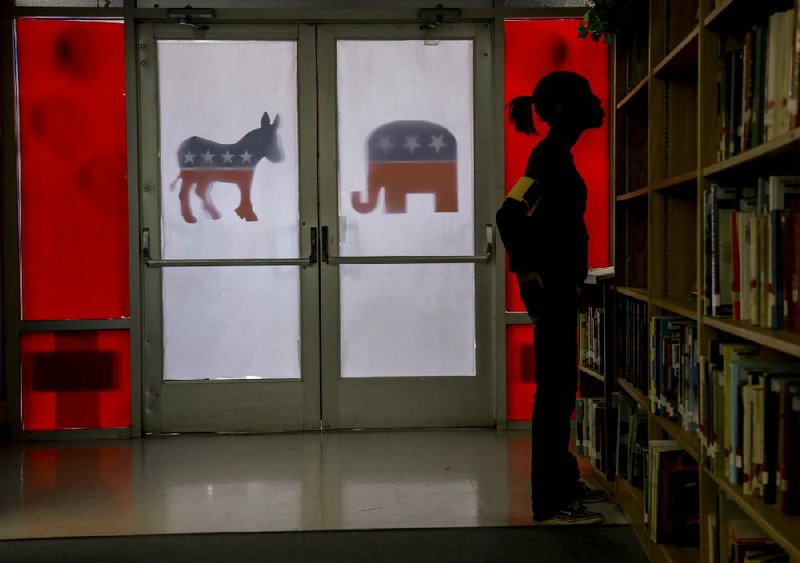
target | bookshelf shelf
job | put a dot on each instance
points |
(640, 88)
(592, 372)
(631, 500)
(624, 488)
(779, 156)
(682, 184)
(688, 441)
(639, 293)
(783, 529)
(780, 340)
(635, 394)
(735, 15)
(714, 20)
(680, 61)
(677, 554)
(634, 194)
(596, 476)
(683, 307)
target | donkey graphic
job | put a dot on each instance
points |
(203, 162)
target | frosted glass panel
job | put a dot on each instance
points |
(231, 323)
(407, 320)
(405, 147)
(228, 110)
(229, 189)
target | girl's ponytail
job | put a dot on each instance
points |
(521, 114)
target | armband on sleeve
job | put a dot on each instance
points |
(519, 189)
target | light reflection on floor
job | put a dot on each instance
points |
(182, 484)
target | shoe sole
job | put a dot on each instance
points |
(557, 522)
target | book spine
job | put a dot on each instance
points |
(736, 292)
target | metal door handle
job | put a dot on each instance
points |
(158, 263)
(332, 259)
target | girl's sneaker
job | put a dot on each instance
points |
(573, 515)
(588, 495)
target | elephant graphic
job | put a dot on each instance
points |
(410, 157)
(203, 162)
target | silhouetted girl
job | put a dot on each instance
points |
(542, 226)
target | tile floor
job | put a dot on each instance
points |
(277, 482)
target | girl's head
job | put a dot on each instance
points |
(562, 99)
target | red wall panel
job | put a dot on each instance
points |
(520, 363)
(534, 48)
(75, 380)
(73, 171)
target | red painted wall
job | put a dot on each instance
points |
(534, 48)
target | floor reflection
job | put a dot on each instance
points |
(183, 484)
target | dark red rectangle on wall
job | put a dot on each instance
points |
(534, 48)
(520, 368)
(75, 380)
(73, 171)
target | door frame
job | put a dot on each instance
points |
(491, 14)
(326, 400)
(352, 402)
(227, 405)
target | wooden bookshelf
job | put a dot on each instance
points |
(688, 178)
(639, 293)
(682, 184)
(687, 440)
(785, 530)
(780, 340)
(635, 393)
(659, 226)
(778, 156)
(592, 373)
(631, 500)
(735, 15)
(715, 19)
(596, 476)
(683, 307)
(634, 194)
(640, 88)
(681, 59)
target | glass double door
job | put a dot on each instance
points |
(316, 233)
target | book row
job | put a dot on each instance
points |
(632, 341)
(590, 430)
(673, 374)
(752, 250)
(672, 494)
(591, 325)
(667, 474)
(747, 543)
(750, 421)
(758, 82)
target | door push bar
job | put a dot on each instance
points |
(329, 258)
(154, 263)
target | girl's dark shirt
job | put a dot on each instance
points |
(553, 240)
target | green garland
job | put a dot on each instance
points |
(604, 18)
